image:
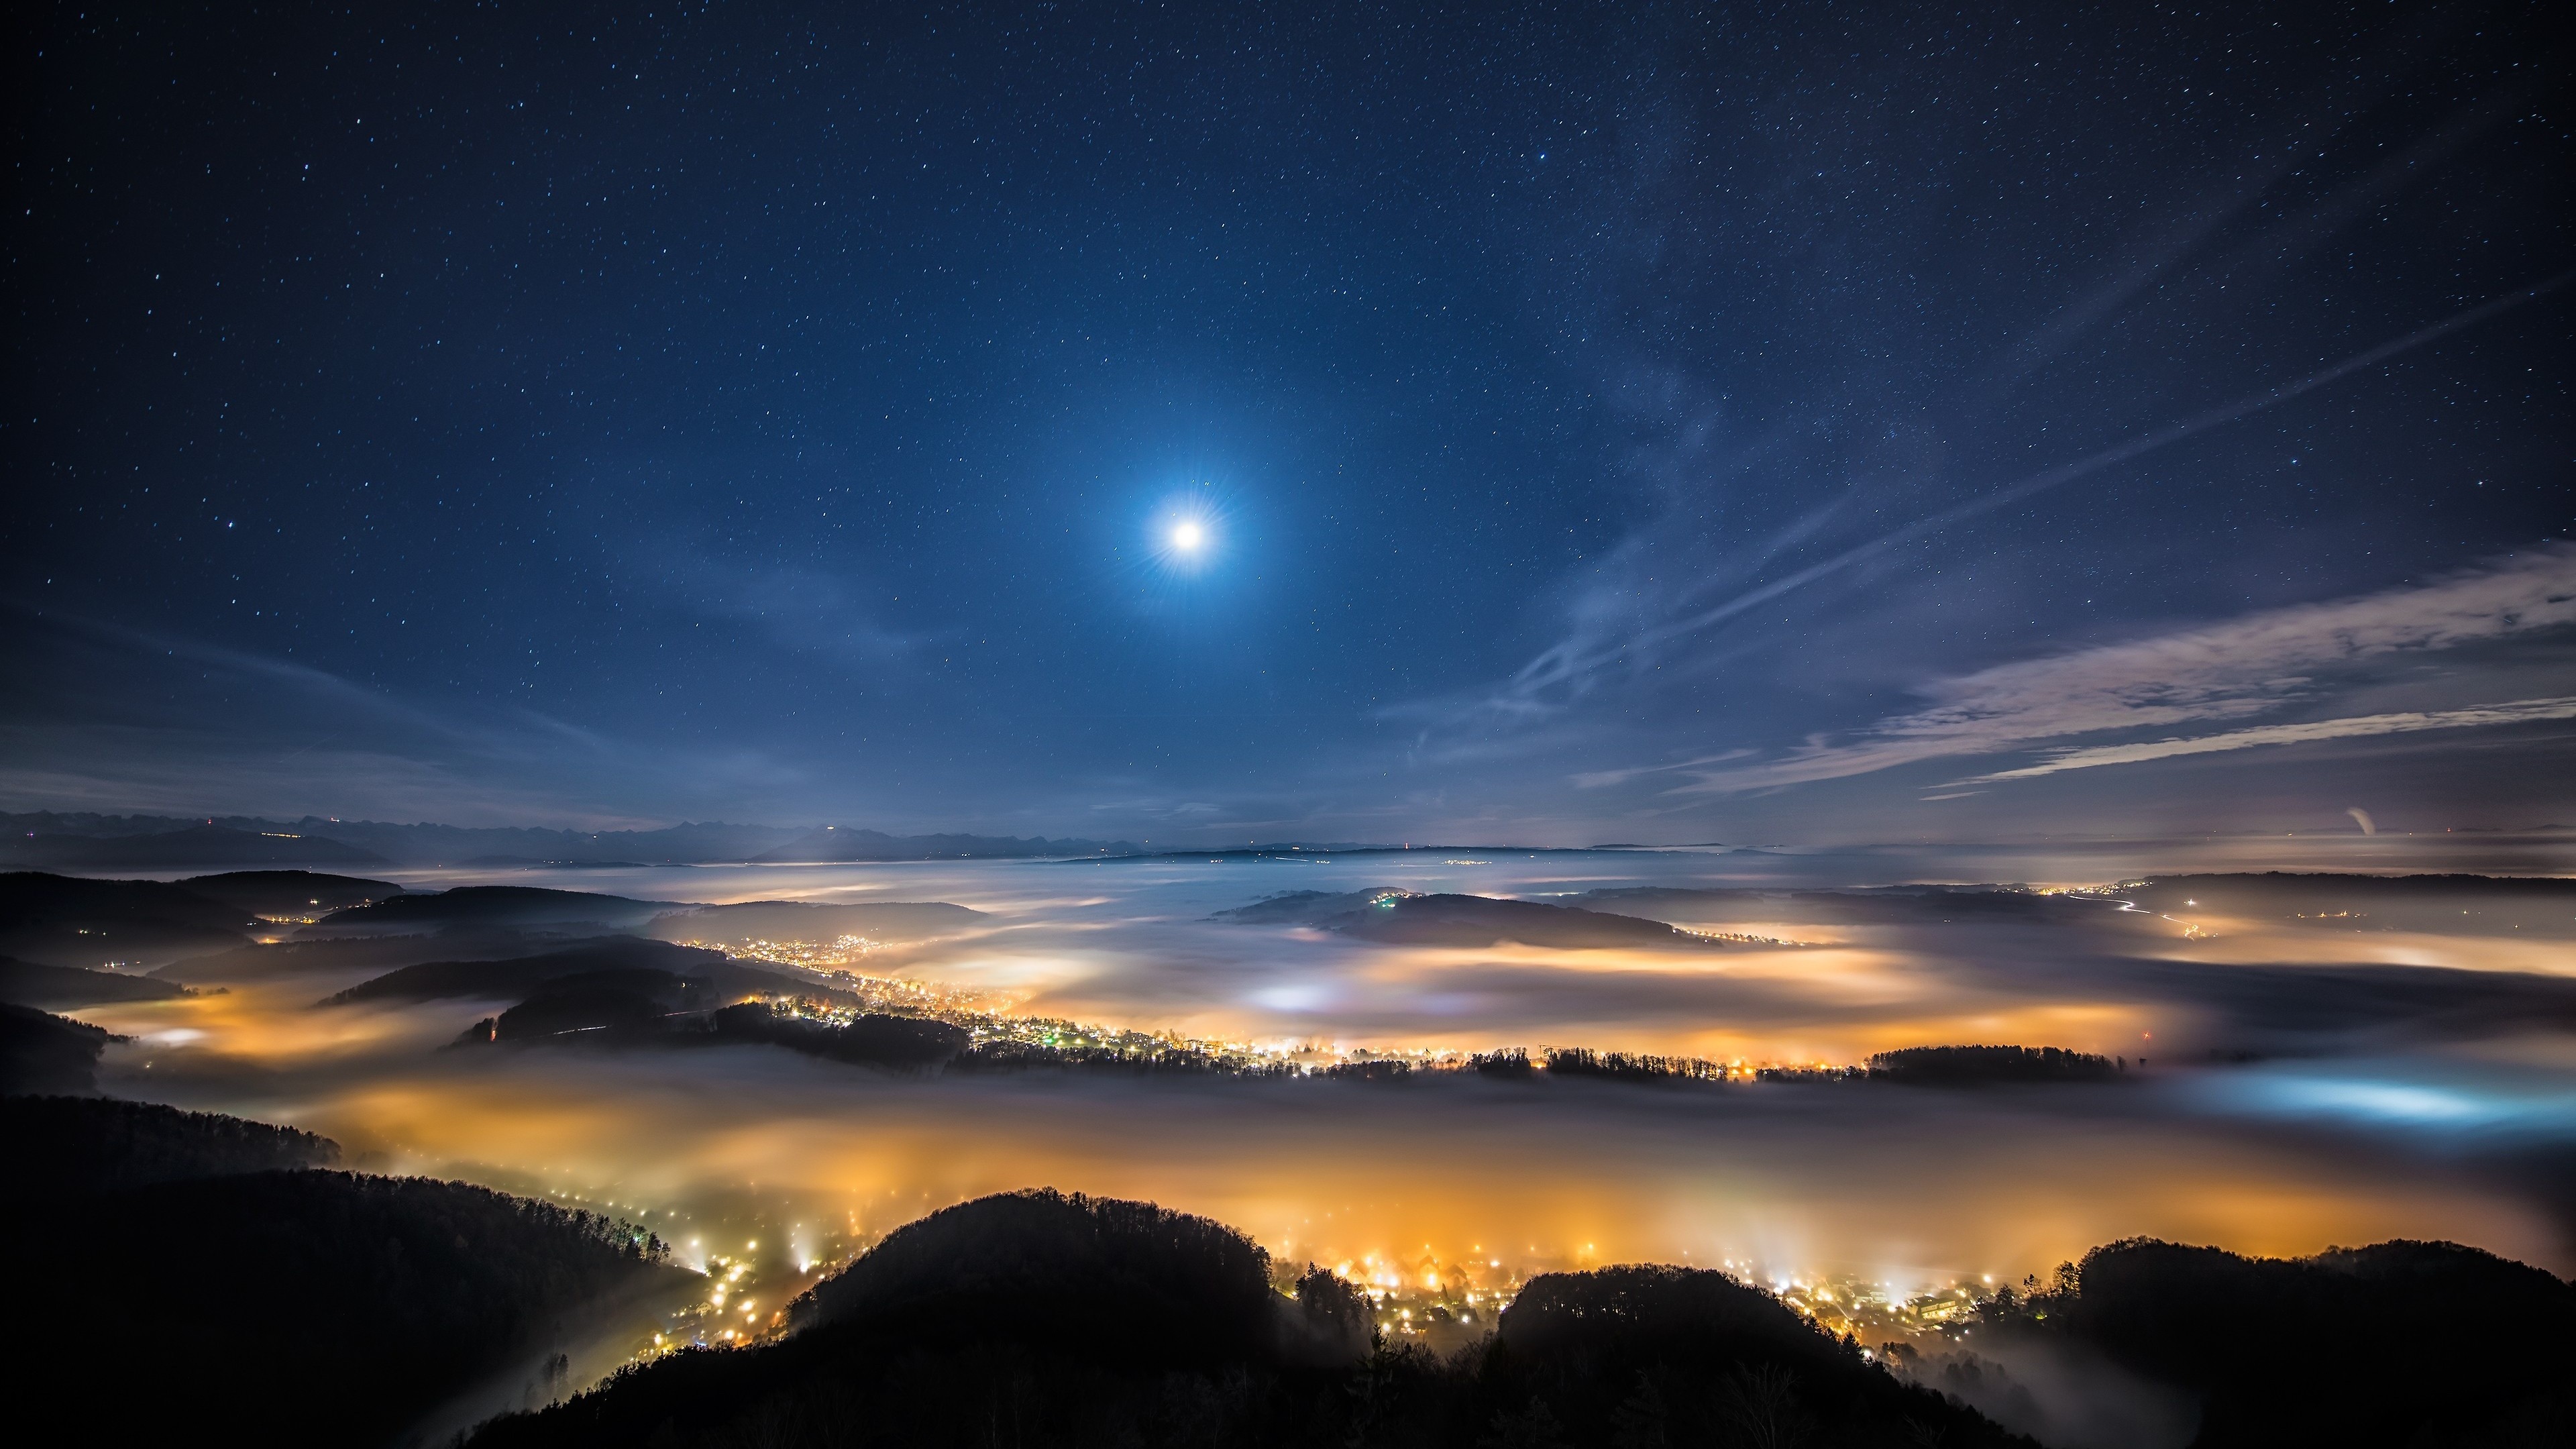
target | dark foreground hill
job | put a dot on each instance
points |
(1039, 1319)
(2421, 1345)
(201, 1281)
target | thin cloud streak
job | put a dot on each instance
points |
(1569, 664)
(2233, 670)
(2522, 711)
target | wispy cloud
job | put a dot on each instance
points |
(2229, 671)
(2521, 711)
(1566, 669)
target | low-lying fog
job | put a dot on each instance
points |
(2375, 1076)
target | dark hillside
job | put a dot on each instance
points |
(521, 975)
(1035, 1319)
(1160, 1285)
(59, 1146)
(2452, 904)
(898, 1043)
(61, 920)
(2402, 1344)
(189, 1292)
(1686, 1356)
(1050, 1319)
(46, 1055)
(308, 1307)
(521, 906)
(24, 983)
(285, 894)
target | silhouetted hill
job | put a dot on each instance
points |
(200, 1282)
(621, 1004)
(2402, 1344)
(832, 843)
(2451, 904)
(60, 920)
(1063, 1320)
(518, 906)
(517, 976)
(886, 921)
(47, 1055)
(288, 894)
(1044, 1268)
(59, 1146)
(56, 988)
(1399, 918)
(1034, 1318)
(1658, 1355)
(644, 1006)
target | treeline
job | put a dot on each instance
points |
(75, 1146)
(626, 1007)
(1955, 1066)
(1170, 1059)
(1040, 1319)
(630, 1004)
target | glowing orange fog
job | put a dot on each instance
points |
(1428, 1177)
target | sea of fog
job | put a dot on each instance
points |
(2293, 1084)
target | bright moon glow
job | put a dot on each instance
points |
(1187, 537)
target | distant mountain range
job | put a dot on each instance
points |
(83, 841)
(141, 842)
(834, 843)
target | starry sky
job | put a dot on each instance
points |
(1646, 422)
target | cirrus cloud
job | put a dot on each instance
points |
(2218, 673)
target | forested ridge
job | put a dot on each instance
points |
(196, 1275)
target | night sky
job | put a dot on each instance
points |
(1663, 423)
